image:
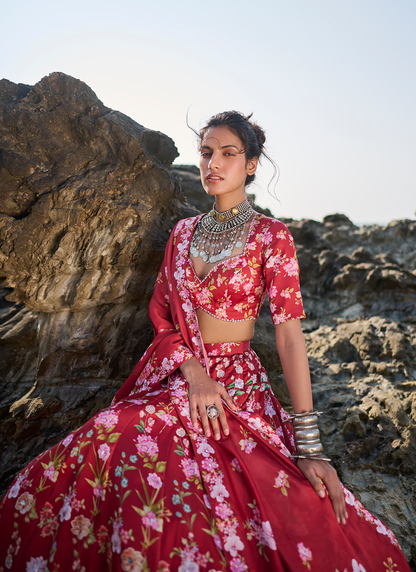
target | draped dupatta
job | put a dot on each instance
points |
(177, 337)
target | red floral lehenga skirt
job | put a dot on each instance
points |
(137, 489)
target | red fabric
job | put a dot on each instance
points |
(136, 488)
(235, 288)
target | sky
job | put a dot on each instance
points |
(333, 83)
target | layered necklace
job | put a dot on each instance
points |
(217, 234)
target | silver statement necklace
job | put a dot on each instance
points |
(217, 234)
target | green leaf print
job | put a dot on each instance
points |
(113, 437)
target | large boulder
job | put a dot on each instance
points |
(87, 203)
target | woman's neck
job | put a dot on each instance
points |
(224, 203)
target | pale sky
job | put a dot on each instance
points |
(333, 83)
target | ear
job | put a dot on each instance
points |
(251, 166)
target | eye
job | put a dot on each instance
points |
(205, 154)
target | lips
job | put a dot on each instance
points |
(214, 178)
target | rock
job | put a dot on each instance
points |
(87, 204)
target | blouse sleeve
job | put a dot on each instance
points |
(281, 272)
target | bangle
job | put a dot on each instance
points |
(306, 434)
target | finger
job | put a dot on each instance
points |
(194, 415)
(316, 483)
(228, 400)
(205, 421)
(335, 492)
(223, 420)
(216, 429)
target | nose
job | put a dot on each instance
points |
(215, 161)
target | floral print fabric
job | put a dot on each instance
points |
(235, 288)
(136, 488)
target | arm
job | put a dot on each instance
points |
(290, 344)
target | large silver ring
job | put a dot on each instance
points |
(212, 411)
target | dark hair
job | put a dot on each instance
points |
(252, 136)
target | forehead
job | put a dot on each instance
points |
(220, 137)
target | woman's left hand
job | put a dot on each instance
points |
(318, 472)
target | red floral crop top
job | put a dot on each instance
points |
(235, 288)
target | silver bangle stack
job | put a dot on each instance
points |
(307, 435)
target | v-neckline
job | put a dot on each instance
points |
(217, 264)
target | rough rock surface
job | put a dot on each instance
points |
(87, 200)
(87, 203)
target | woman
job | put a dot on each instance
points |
(194, 465)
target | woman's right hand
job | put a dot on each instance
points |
(204, 391)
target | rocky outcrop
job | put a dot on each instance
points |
(87, 201)
(87, 204)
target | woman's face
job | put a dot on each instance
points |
(223, 164)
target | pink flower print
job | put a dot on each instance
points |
(203, 296)
(180, 432)
(150, 409)
(278, 318)
(236, 465)
(66, 509)
(223, 511)
(51, 472)
(237, 565)
(239, 383)
(286, 293)
(35, 564)
(188, 566)
(209, 464)
(190, 468)
(124, 535)
(266, 535)
(106, 419)
(115, 538)
(274, 261)
(80, 526)
(218, 492)
(68, 440)
(247, 445)
(24, 503)
(104, 451)
(305, 554)
(357, 567)
(151, 520)
(269, 409)
(132, 560)
(98, 490)
(179, 274)
(233, 544)
(217, 541)
(282, 482)
(291, 267)
(204, 448)
(206, 501)
(146, 445)
(154, 481)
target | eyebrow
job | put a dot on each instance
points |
(223, 147)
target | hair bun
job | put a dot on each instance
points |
(260, 135)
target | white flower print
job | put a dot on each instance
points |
(204, 448)
(233, 544)
(267, 536)
(357, 567)
(219, 492)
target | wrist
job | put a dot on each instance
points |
(307, 435)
